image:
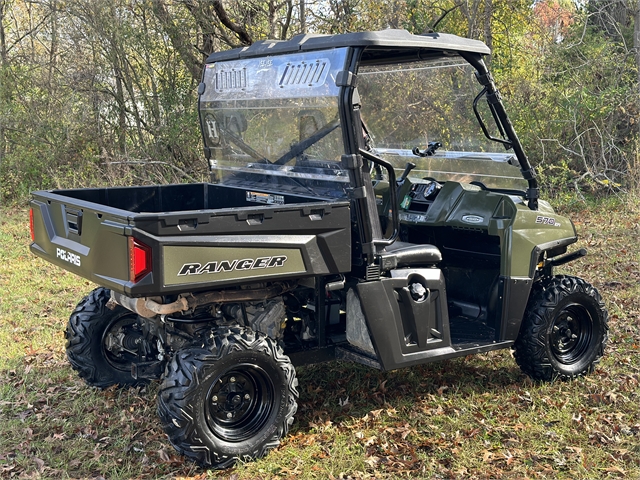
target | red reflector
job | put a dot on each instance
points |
(33, 233)
(139, 259)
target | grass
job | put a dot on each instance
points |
(475, 417)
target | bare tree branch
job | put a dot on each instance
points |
(178, 39)
(443, 16)
(287, 23)
(150, 162)
(239, 30)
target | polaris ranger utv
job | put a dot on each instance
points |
(369, 201)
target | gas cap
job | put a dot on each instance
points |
(418, 292)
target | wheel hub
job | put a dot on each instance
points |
(239, 403)
(231, 397)
(124, 344)
(571, 333)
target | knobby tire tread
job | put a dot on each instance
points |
(179, 393)
(531, 348)
(86, 324)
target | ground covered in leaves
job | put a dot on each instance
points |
(475, 417)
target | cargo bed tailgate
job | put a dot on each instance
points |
(87, 239)
(142, 254)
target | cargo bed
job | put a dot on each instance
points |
(189, 237)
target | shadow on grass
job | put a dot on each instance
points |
(340, 391)
(52, 425)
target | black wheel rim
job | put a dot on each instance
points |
(571, 333)
(239, 402)
(121, 343)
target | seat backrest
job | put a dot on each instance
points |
(402, 254)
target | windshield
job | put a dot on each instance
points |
(272, 124)
(422, 112)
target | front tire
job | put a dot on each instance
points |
(231, 396)
(564, 331)
(102, 343)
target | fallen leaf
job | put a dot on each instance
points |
(163, 455)
(382, 387)
(372, 461)
(39, 464)
(616, 470)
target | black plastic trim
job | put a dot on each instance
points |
(365, 208)
(312, 356)
(515, 294)
(543, 247)
(407, 332)
(395, 38)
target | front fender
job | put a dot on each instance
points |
(534, 232)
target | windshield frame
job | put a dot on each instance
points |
(480, 157)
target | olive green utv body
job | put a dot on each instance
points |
(369, 201)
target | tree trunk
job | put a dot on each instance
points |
(303, 20)
(151, 74)
(636, 46)
(242, 33)
(3, 39)
(488, 33)
(178, 39)
(469, 9)
(53, 51)
(636, 40)
(4, 62)
(122, 113)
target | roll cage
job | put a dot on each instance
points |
(379, 48)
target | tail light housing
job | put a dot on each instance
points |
(31, 230)
(140, 260)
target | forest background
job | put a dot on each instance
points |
(95, 93)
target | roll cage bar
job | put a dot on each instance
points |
(390, 46)
(505, 126)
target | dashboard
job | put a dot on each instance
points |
(417, 201)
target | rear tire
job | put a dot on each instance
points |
(92, 331)
(232, 396)
(564, 331)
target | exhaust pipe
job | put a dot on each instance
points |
(150, 307)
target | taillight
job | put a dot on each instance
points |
(33, 233)
(139, 259)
